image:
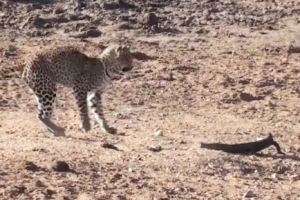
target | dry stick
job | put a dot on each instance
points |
(244, 148)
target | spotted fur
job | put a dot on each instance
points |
(87, 76)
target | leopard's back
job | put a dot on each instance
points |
(62, 65)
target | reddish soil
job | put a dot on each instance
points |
(206, 71)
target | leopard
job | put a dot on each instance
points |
(87, 76)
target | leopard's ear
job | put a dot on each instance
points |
(126, 49)
(119, 49)
(122, 48)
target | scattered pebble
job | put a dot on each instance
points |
(91, 33)
(39, 183)
(159, 133)
(293, 49)
(60, 166)
(59, 11)
(109, 146)
(249, 194)
(150, 19)
(274, 176)
(155, 149)
(31, 166)
(295, 177)
(49, 193)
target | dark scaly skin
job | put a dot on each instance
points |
(244, 148)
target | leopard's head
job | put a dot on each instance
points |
(117, 60)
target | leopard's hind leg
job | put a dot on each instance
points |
(45, 91)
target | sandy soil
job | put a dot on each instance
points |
(207, 71)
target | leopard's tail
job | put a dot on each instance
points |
(11, 71)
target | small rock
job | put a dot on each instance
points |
(295, 177)
(79, 4)
(202, 31)
(293, 49)
(274, 176)
(89, 33)
(39, 183)
(49, 193)
(36, 33)
(249, 194)
(39, 149)
(59, 11)
(248, 97)
(150, 19)
(187, 21)
(17, 190)
(73, 17)
(12, 48)
(93, 33)
(109, 146)
(17, 96)
(31, 166)
(125, 26)
(215, 34)
(159, 133)
(155, 149)
(124, 4)
(3, 102)
(118, 4)
(110, 6)
(60, 166)
(123, 18)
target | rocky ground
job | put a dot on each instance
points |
(206, 71)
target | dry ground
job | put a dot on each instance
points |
(213, 71)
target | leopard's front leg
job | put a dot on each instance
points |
(95, 103)
(80, 91)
